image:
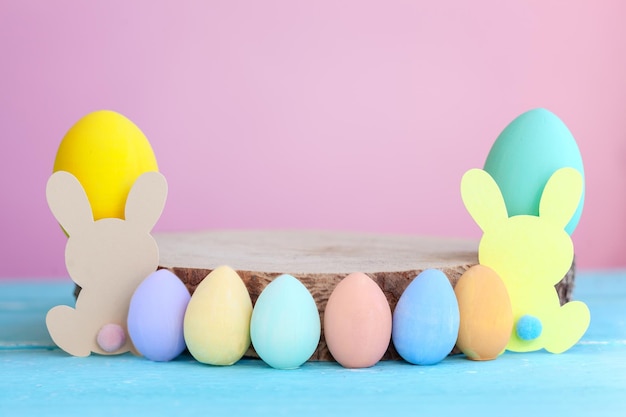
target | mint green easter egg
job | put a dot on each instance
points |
(524, 156)
(285, 327)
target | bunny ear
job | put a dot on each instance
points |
(68, 201)
(561, 196)
(146, 200)
(482, 198)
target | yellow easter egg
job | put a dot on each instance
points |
(106, 152)
(217, 320)
(486, 317)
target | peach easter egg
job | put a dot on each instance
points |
(357, 322)
(486, 318)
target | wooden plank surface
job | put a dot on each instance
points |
(301, 252)
(37, 379)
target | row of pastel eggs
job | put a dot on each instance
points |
(218, 323)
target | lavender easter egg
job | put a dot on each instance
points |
(486, 318)
(285, 324)
(357, 322)
(155, 316)
(426, 319)
(524, 156)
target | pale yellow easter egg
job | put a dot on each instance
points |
(217, 320)
(106, 152)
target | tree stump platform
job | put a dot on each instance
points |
(319, 260)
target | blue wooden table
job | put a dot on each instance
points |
(39, 379)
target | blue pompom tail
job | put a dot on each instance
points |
(528, 327)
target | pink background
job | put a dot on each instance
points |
(340, 115)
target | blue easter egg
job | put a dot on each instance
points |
(285, 326)
(426, 319)
(524, 156)
(156, 314)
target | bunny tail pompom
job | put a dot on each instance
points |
(528, 327)
(111, 337)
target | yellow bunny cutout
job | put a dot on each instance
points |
(531, 254)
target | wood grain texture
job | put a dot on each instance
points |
(319, 260)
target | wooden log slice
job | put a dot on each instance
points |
(319, 260)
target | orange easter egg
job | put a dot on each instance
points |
(486, 318)
(357, 322)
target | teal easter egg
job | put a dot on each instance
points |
(285, 326)
(524, 156)
(426, 319)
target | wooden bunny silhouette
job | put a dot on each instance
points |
(531, 254)
(107, 258)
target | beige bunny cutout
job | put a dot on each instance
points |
(107, 258)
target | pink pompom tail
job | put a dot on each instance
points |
(111, 337)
